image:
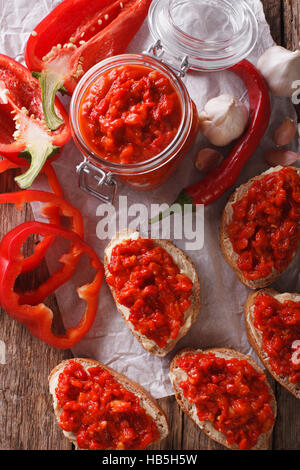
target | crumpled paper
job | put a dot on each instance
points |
(220, 322)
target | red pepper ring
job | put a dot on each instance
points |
(31, 262)
(38, 318)
(52, 209)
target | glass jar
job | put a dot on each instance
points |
(186, 37)
(152, 173)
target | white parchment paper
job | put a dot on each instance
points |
(220, 321)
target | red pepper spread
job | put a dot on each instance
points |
(102, 413)
(264, 231)
(148, 282)
(279, 323)
(130, 114)
(231, 394)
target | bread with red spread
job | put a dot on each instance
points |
(185, 266)
(230, 255)
(177, 375)
(146, 401)
(255, 335)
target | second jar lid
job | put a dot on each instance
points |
(213, 34)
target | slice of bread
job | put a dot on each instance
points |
(146, 400)
(255, 335)
(177, 375)
(186, 267)
(230, 256)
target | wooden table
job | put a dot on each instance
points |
(26, 417)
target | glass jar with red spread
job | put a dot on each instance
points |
(131, 115)
(134, 119)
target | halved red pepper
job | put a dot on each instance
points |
(53, 207)
(38, 318)
(31, 262)
(76, 35)
(24, 135)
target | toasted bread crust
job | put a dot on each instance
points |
(226, 247)
(147, 344)
(255, 339)
(145, 398)
(206, 426)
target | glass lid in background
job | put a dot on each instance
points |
(214, 34)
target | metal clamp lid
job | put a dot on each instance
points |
(157, 51)
(89, 173)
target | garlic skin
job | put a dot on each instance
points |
(285, 133)
(275, 157)
(208, 159)
(223, 119)
(280, 68)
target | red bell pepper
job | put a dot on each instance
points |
(38, 318)
(76, 35)
(24, 135)
(31, 262)
(53, 207)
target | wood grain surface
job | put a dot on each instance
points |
(26, 417)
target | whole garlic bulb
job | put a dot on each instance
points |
(223, 119)
(280, 68)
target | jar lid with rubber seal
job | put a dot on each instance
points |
(132, 117)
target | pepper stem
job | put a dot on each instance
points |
(39, 156)
(183, 199)
(50, 83)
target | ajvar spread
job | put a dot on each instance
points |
(130, 114)
(265, 226)
(148, 282)
(101, 412)
(279, 323)
(230, 393)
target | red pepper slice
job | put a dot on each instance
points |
(38, 318)
(213, 186)
(47, 169)
(50, 209)
(76, 35)
(31, 262)
(24, 134)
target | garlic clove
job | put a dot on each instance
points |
(285, 133)
(223, 119)
(280, 68)
(207, 160)
(276, 157)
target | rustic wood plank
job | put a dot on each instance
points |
(175, 420)
(291, 23)
(273, 12)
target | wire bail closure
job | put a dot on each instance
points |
(88, 173)
(157, 51)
